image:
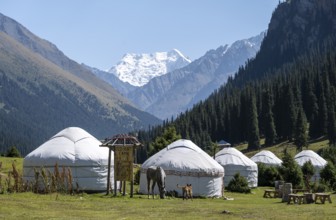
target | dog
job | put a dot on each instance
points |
(186, 191)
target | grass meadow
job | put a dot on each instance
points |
(99, 206)
(28, 205)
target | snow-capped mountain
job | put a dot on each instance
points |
(176, 91)
(139, 69)
(174, 85)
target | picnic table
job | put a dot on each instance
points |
(322, 197)
(296, 198)
(271, 193)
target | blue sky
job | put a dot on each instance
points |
(99, 32)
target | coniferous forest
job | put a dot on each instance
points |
(286, 93)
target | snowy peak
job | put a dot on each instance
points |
(139, 69)
(253, 42)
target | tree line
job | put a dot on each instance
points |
(295, 102)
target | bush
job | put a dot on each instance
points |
(329, 153)
(13, 152)
(328, 175)
(267, 175)
(321, 187)
(308, 171)
(291, 171)
(239, 184)
(137, 177)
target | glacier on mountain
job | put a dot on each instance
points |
(139, 69)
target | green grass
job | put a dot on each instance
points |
(7, 164)
(278, 149)
(100, 206)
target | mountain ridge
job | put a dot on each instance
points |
(42, 91)
(179, 90)
(138, 69)
(285, 94)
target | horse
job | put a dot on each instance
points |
(156, 175)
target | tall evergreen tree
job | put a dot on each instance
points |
(268, 120)
(290, 170)
(301, 133)
(291, 112)
(253, 128)
(332, 118)
(314, 123)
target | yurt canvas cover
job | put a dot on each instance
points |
(266, 157)
(317, 161)
(76, 149)
(234, 162)
(186, 163)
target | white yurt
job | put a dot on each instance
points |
(234, 162)
(185, 163)
(75, 149)
(317, 161)
(266, 157)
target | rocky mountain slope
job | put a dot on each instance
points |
(42, 91)
(176, 91)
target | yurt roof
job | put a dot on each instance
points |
(72, 146)
(266, 157)
(183, 155)
(307, 155)
(232, 156)
(223, 143)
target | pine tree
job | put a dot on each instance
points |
(314, 128)
(253, 132)
(291, 113)
(322, 123)
(269, 126)
(169, 136)
(291, 171)
(331, 114)
(301, 134)
(13, 152)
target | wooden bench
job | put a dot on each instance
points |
(271, 193)
(297, 199)
(322, 197)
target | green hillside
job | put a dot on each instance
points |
(43, 92)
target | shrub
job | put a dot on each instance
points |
(291, 171)
(308, 171)
(267, 175)
(137, 177)
(329, 153)
(328, 175)
(321, 187)
(239, 184)
(13, 152)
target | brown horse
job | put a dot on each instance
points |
(156, 175)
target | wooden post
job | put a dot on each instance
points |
(115, 187)
(124, 187)
(132, 181)
(108, 172)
